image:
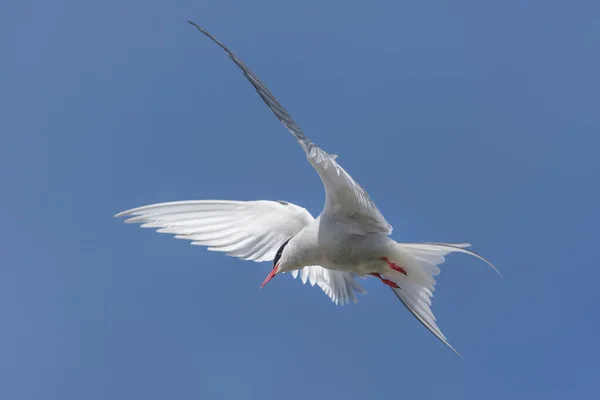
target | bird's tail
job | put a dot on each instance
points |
(415, 289)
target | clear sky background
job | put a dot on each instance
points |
(464, 121)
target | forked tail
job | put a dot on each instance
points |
(416, 289)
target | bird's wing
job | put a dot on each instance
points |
(339, 286)
(345, 198)
(250, 230)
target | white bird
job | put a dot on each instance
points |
(350, 238)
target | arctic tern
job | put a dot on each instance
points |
(349, 239)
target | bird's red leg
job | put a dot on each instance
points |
(393, 266)
(386, 281)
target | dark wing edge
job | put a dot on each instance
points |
(268, 97)
(319, 158)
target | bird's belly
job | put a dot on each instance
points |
(354, 253)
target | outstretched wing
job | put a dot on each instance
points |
(346, 200)
(250, 230)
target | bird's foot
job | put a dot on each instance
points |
(393, 266)
(386, 281)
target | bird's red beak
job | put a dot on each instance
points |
(270, 276)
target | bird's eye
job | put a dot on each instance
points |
(278, 255)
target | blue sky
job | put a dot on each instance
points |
(464, 121)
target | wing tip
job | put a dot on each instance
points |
(121, 214)
(194, 24)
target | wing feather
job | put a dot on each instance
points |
(251, 230)
(345, 198)
(339, 286)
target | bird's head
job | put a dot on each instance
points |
(278, 264)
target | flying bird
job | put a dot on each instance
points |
(349, 239)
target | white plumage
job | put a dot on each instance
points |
(250, 230)
(350, 238)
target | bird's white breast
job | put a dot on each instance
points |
(337, 245)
